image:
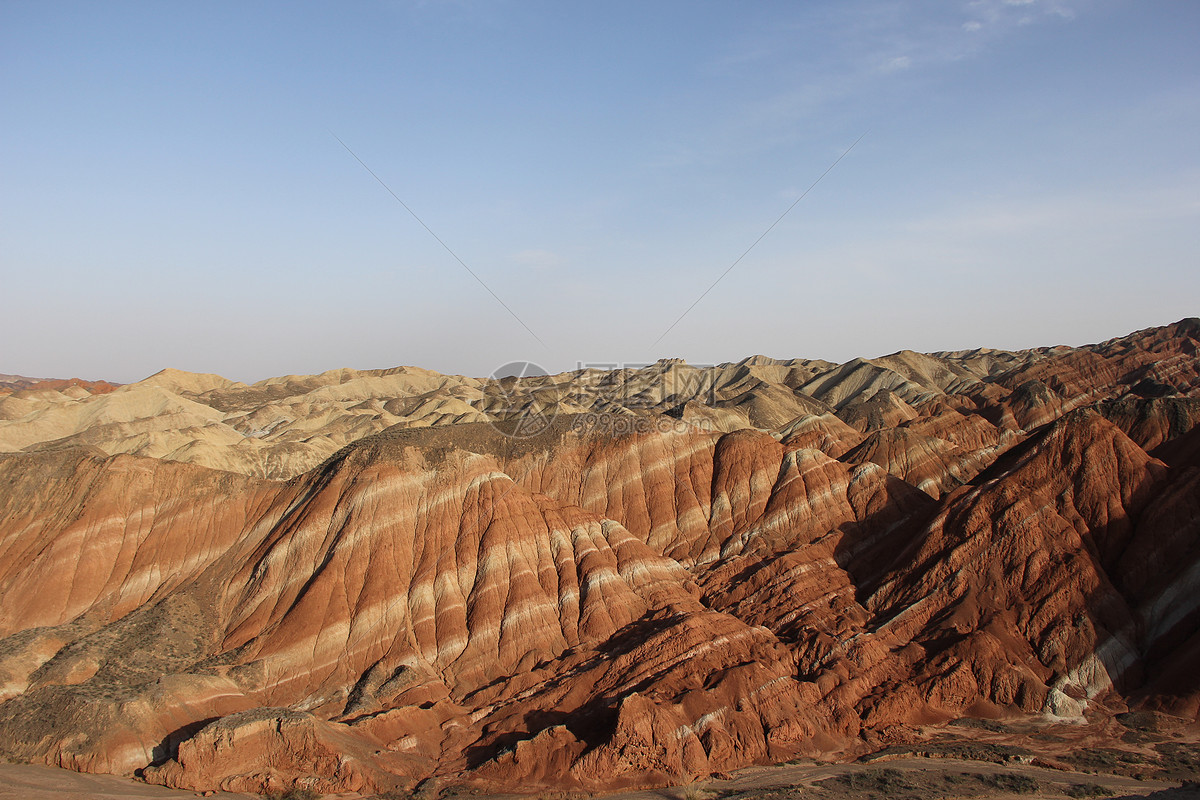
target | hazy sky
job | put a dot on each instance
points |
(172, 192)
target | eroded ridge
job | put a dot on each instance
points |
(360, 580)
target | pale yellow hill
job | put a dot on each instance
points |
(280, 427)
(57, 418)
(180, 382)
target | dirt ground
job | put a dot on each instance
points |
(919, 778)
(30, 782)
(1123, 757)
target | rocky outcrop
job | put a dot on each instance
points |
(273, 750)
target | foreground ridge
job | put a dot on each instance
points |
(358, 581)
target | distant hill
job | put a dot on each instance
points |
(17, 383)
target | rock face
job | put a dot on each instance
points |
(683, 571)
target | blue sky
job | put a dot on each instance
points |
(173, 193)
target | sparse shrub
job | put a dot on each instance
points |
(1008, 782)
(888, 781)
(294, 793)
(1138, 720)
(1103, 759)
(1179, 759)
(979, 724)
(1086, 790)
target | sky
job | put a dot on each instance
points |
(183, 184)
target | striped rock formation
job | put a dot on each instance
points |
(629, 597)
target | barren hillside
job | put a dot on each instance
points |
(361, 579)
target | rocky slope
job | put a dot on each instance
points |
(360, 580)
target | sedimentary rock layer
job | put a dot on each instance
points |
(679, 572)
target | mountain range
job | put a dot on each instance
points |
(361, 580)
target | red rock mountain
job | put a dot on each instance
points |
(676, 572)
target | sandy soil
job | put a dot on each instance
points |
(31, 782)
(1145, 754)
(924, 778)
(921, 778)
